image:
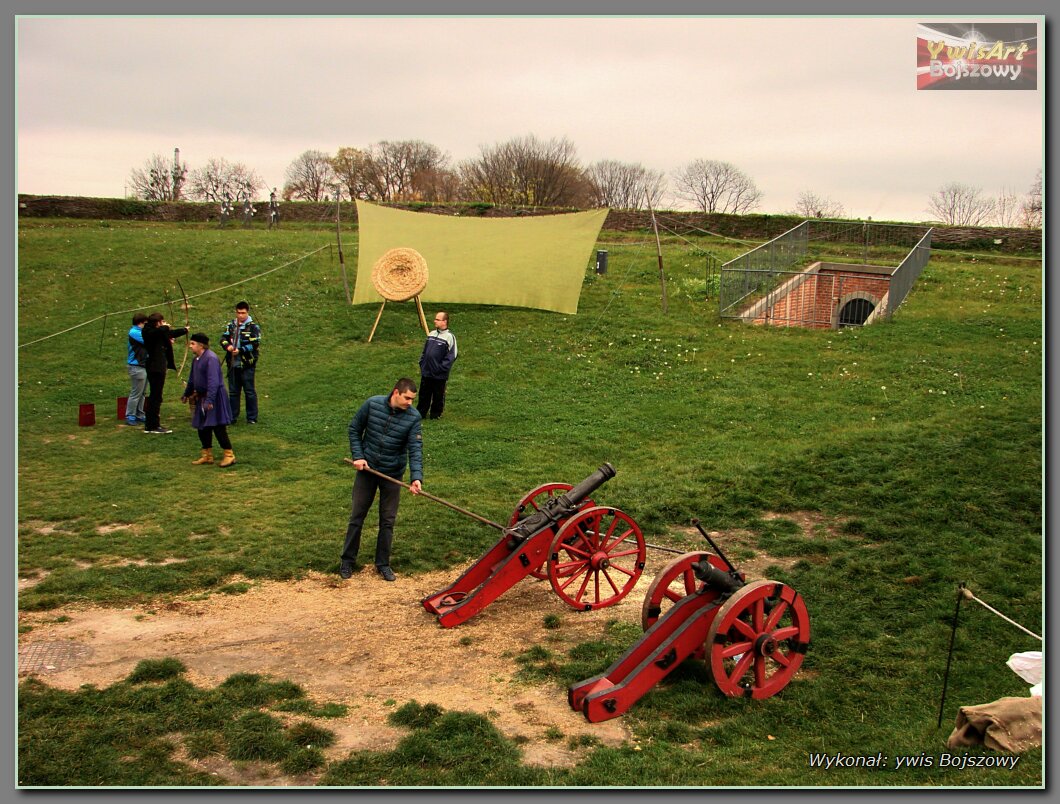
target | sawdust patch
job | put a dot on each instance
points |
(811, 523)
(32, 580)
(741, 548)
(741, 545)
(145, 562)
(365, 643)
(370, 645)
(103, 530)
(44, 528)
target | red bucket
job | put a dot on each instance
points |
(123, 402)
(86, 415)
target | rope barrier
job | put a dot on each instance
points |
(615, 292)
(967, 593)
(690, 243)
(707, 231)
(193, 296)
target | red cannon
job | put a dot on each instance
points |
(753, 636)
(593, 555)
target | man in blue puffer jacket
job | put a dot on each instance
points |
(383, 432)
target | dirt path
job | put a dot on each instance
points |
(363, 642)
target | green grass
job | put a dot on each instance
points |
(919, 439)
(128, 734)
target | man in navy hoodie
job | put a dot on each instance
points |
(439, 354)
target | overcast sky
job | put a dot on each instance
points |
(822, 104)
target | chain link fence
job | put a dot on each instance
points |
(841, 262)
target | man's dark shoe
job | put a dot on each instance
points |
(387, 573)
(346, 570)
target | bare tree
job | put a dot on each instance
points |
(625, 185)
(393, 167)
(351, 167)
(219, 178)
(309, 177)
(159, 179)
(438, 184)
(528, 172)
(717, 187)
(1032, 204)
(1008, 208)
(811, 205)
(961, 205)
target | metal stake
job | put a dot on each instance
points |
(949, 657)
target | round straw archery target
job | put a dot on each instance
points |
(400, 274)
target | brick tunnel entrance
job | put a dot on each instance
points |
(787, 281)
(824, 296)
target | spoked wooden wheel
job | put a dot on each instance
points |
(596, 558)
(675, 581)
(531, 504)
(758, 639)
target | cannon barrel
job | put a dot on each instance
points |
(590, 484)
(561, 506)
(724, 582)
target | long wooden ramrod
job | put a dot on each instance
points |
(446, 503)
(472, 514)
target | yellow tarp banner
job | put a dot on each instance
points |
(534, 262)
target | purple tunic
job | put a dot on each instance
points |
(206, 378)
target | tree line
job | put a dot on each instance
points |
(523, 171)
(528, 171)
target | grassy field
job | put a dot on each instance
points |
(920, 439)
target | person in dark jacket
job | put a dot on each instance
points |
(158, 340)
(439, 354)
(242, 341)
(384, 432)
(136, 360)
(206, 391)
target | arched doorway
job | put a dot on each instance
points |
(855, 312)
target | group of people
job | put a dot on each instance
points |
(385, 436)
(214, 407)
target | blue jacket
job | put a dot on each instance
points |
(383, 436)
(249, 341)
(137, 350)
(439, 354)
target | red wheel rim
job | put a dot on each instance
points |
(675, 581)
(596, 558)
(758, 639)
(533, 501)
